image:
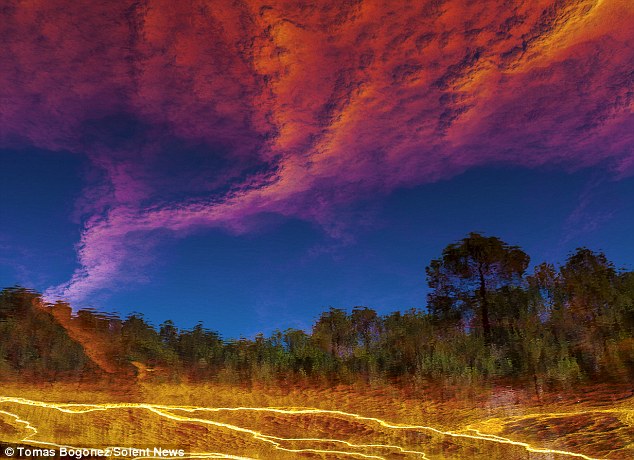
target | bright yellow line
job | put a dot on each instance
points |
(165, 411)
(273, 439)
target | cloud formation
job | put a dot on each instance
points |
(199, 115)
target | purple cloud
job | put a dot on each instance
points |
(196, 117)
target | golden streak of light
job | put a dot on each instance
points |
(26, 424)
(29, 426)
(161, 411)
(27, 439)
(479, 436)
(166, 411)
(274, 439)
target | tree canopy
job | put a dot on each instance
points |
(486, 318)
(467, 277)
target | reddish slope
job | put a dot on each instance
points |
(101, 350)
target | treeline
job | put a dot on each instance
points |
(32, 343)
(487, 319)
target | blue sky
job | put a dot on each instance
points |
(250, 167)
(288, 270)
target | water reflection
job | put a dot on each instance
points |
(394, 386)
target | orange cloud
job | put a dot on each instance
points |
(294, 108)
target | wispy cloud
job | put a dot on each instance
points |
(197, 117)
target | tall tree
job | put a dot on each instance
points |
(334, 334)
(589, 281)
(464, 278)
(590, 318)
(367, 326)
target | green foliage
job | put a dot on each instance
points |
(32, 342)
(485, 320)
(142, 343)
(467, 276)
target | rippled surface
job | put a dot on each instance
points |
(598, 424)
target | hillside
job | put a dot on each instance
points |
(91, 332)
(558, 327)
(35, 344)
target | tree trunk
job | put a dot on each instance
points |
(484, 308)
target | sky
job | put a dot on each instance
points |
(250, 164)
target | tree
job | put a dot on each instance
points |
(468, 273)
(589, 281)
(366, 324)
(168, 333)
(333, 332)
(590, 318)
(302, 353)
(31, 341)
(200, 348)
(367, 328)
(141, 342)
(405, 341)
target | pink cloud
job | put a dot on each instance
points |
(303, 108)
